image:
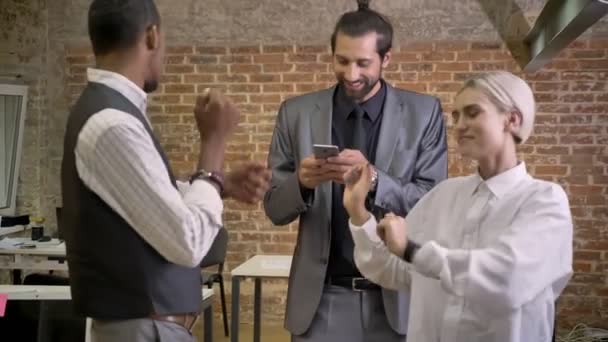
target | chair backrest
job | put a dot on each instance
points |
(217, 252)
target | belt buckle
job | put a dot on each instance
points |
(354, 285)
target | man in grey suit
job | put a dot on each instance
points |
(401, 133)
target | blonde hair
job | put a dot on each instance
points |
(508, 93)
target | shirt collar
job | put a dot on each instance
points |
(122, 85)
(372, 107)
(502, 183)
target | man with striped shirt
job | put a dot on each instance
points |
(134, 234)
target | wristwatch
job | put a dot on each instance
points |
(410, 250)
(374, 184)
(215, 177)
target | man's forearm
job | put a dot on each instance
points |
(211, 157)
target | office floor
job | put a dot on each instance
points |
(274, 333)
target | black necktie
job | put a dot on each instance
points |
(359, 141)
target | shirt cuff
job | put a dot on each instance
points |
(369, 228)
(430, 260)
(205, 196)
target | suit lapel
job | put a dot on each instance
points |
(320, 127)
(393, 115)
(321, 118)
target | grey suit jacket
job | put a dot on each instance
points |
(411, 158)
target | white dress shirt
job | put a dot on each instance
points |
(494, 257)
(116, 158)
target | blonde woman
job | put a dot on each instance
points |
(486, 255)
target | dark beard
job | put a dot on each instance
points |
(150, 86)
(368, 85)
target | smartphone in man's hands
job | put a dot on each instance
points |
(325, 151)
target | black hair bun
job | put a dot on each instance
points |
(363, 5)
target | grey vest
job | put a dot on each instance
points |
(114, 273)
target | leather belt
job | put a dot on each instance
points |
(353, 283)
(185, 320)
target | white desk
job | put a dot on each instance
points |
(44, 293)
(46, 256)
(258, 267)
(10, 230)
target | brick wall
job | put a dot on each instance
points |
(569, 145)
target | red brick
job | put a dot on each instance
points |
(438, 56)
(179, 69)
(265, 98)
(245, 68)
(598, 43)
(488, 66)
(577, 139)
(278, 67)
(307, 87)
(573, 98)
(588, 54)
(277, 48)
(601, 97)
(543, 76)
(545, 97)
(199, 78)
(445, 87)
(587, 255)
(553, 150)
(238, 98)
(165, 99)
(585, 130)
(473, 56)
(312, 48)
(210, 50)
(232, 78)
(301, 58)
(419, 87)
(486, 46)
(591, 109)
(241, 59)
(311, 67)
(575, 119)
(262, 78)
(550, 170)
(212, 69)
(179, 50)
(455, 66)
(562, 65)
(452, 45)
(245, 49)
(202, 59)
(298, 77)
(417, 46)
(434, 76)
(546, 119)
(550, 86)
(269, 58)
(244, 88)
(405, 57)
(178, 88)
(594, 64)
(542, 140)
(325, 77)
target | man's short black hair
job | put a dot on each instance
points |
(117, 24)
(363, 21)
